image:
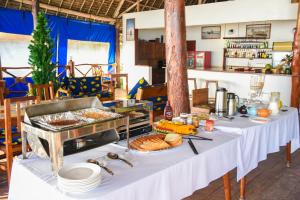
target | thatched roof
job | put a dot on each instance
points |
(106, 11)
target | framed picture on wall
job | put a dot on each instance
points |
(210, 32)
(130, 26)
(258, 30)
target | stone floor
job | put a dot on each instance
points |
(271, 180)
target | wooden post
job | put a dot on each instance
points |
(227, 186)
(118, 70)
(296, 65)
(35, 11)
(176, 56)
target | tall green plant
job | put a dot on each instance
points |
(41, 53)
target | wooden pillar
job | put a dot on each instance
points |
(296, 64)
(118, 67)
(175, 30)
(35, 11)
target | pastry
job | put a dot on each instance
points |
(172, 127)
(96, 115)
(63, 122)
(156, 142)
(173, 139)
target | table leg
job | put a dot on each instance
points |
(227, 186)
(242, 188)
(288, 154)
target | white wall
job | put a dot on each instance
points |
(281, 13)
(222, 13)
(281, 31)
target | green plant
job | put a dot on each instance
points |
(41, 53)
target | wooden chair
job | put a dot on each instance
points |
(211, 100)
(13, 117)
(43, 91)
(152, 92)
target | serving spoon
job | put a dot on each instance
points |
(100, 165)
(115, 156)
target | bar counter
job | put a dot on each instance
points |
(239, 82)
(236, 72)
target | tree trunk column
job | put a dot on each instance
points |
(35, 11)
(296, 65)
(175, 31)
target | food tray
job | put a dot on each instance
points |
(76, 116)
(96, 115)
(45, 120)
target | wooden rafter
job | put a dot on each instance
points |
(117, 11)
(89, 11)
(6, 3)
(71, 12)
(111, 2)
(162, 3)
(153, 3)
(82, 5)
(145, 5)
(129, 8)
(99, 9)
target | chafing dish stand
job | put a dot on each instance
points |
(50, 144)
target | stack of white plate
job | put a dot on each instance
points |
(79, 178)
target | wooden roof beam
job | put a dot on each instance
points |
(146, 6)
(111, 2)
(129, 8)
(70, 12)
(117, 11)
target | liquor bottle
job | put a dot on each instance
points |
(168, 112)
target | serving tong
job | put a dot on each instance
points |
(196, 137)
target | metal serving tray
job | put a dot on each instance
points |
(48, 143)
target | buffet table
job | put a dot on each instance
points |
(258, 140)
(169, 175)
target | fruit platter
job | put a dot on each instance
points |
(166, 127)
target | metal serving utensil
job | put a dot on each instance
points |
(115, 156)
(100, 165)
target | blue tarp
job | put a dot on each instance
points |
(20, 22)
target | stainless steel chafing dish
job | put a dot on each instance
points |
(54, 144)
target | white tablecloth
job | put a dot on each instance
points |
(258, 140)
(167, 175)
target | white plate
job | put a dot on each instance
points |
(80, 172)
(260, 120)
(79, 178)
